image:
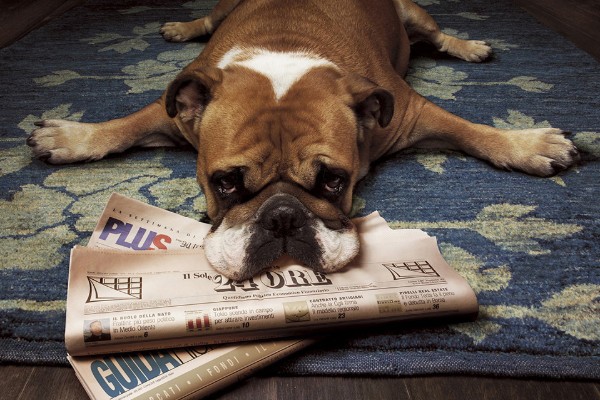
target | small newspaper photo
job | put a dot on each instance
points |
(144, 285)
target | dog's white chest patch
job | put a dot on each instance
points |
(283, 69)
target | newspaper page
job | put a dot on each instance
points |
(132, 301)
(184, 373)
(192, 372)
(128, 224)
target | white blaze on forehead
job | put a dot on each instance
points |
(283, 69)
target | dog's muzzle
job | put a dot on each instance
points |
(282, 225)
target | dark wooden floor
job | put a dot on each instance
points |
(578, 20)
(41, 383)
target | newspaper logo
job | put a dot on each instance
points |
(196, 321)
(411, 269)
(127, 236)
(112, 289)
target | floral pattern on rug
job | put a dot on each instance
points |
(528, 246)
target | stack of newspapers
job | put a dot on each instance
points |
(148, 318)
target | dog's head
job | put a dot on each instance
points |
(278, 171)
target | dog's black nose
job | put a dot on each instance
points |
(283, 218)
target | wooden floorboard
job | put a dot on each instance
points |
(19, 17)
(578, 20)
(60, 383)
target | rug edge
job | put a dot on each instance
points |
(378, 364)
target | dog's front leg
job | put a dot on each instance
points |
(541, 152)
(62, 142)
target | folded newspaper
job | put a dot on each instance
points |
(165, 295)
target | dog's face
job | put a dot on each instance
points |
(278, 173)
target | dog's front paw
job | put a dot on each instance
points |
(542, 152)
(62, 142)
(184, 31)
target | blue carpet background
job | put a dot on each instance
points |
(528, 246)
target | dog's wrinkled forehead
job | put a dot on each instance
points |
(294, 139)
(247, 171)
(279, 145)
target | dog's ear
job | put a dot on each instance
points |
(372, 103)
(188, 95)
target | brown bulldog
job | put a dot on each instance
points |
(288, 104)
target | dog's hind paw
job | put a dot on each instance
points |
(468, 50)
(184, 31)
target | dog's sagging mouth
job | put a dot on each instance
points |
(282, 225)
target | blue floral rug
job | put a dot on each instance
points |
(528, 246)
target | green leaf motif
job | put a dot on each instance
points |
(135, 10)
(103, 38)
(444, 82)
(89, 207)
(105, 174)
(14, 159)
(32, 305)
(148, 29)
(435, 81)
(57, 78)
(434, 160)
(575, 311)
(530, 84)
(126, 176)
(182, 56)
(501, 44)
(37, 252)
(177, 194)
(588, 142)
(127, 45)
(425, 3)
(477, 330)
(149, 75)
(32, 209)
(479, 277)
(506, 225)
(518, 120)
(144, 76)
(473, 16)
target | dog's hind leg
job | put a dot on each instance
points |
(184, 31)
(62, 142)
(420, 26)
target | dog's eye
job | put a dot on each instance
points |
(334, 184)
(331, 183)
(227, 183)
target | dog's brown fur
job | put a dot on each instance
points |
(352, 108)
